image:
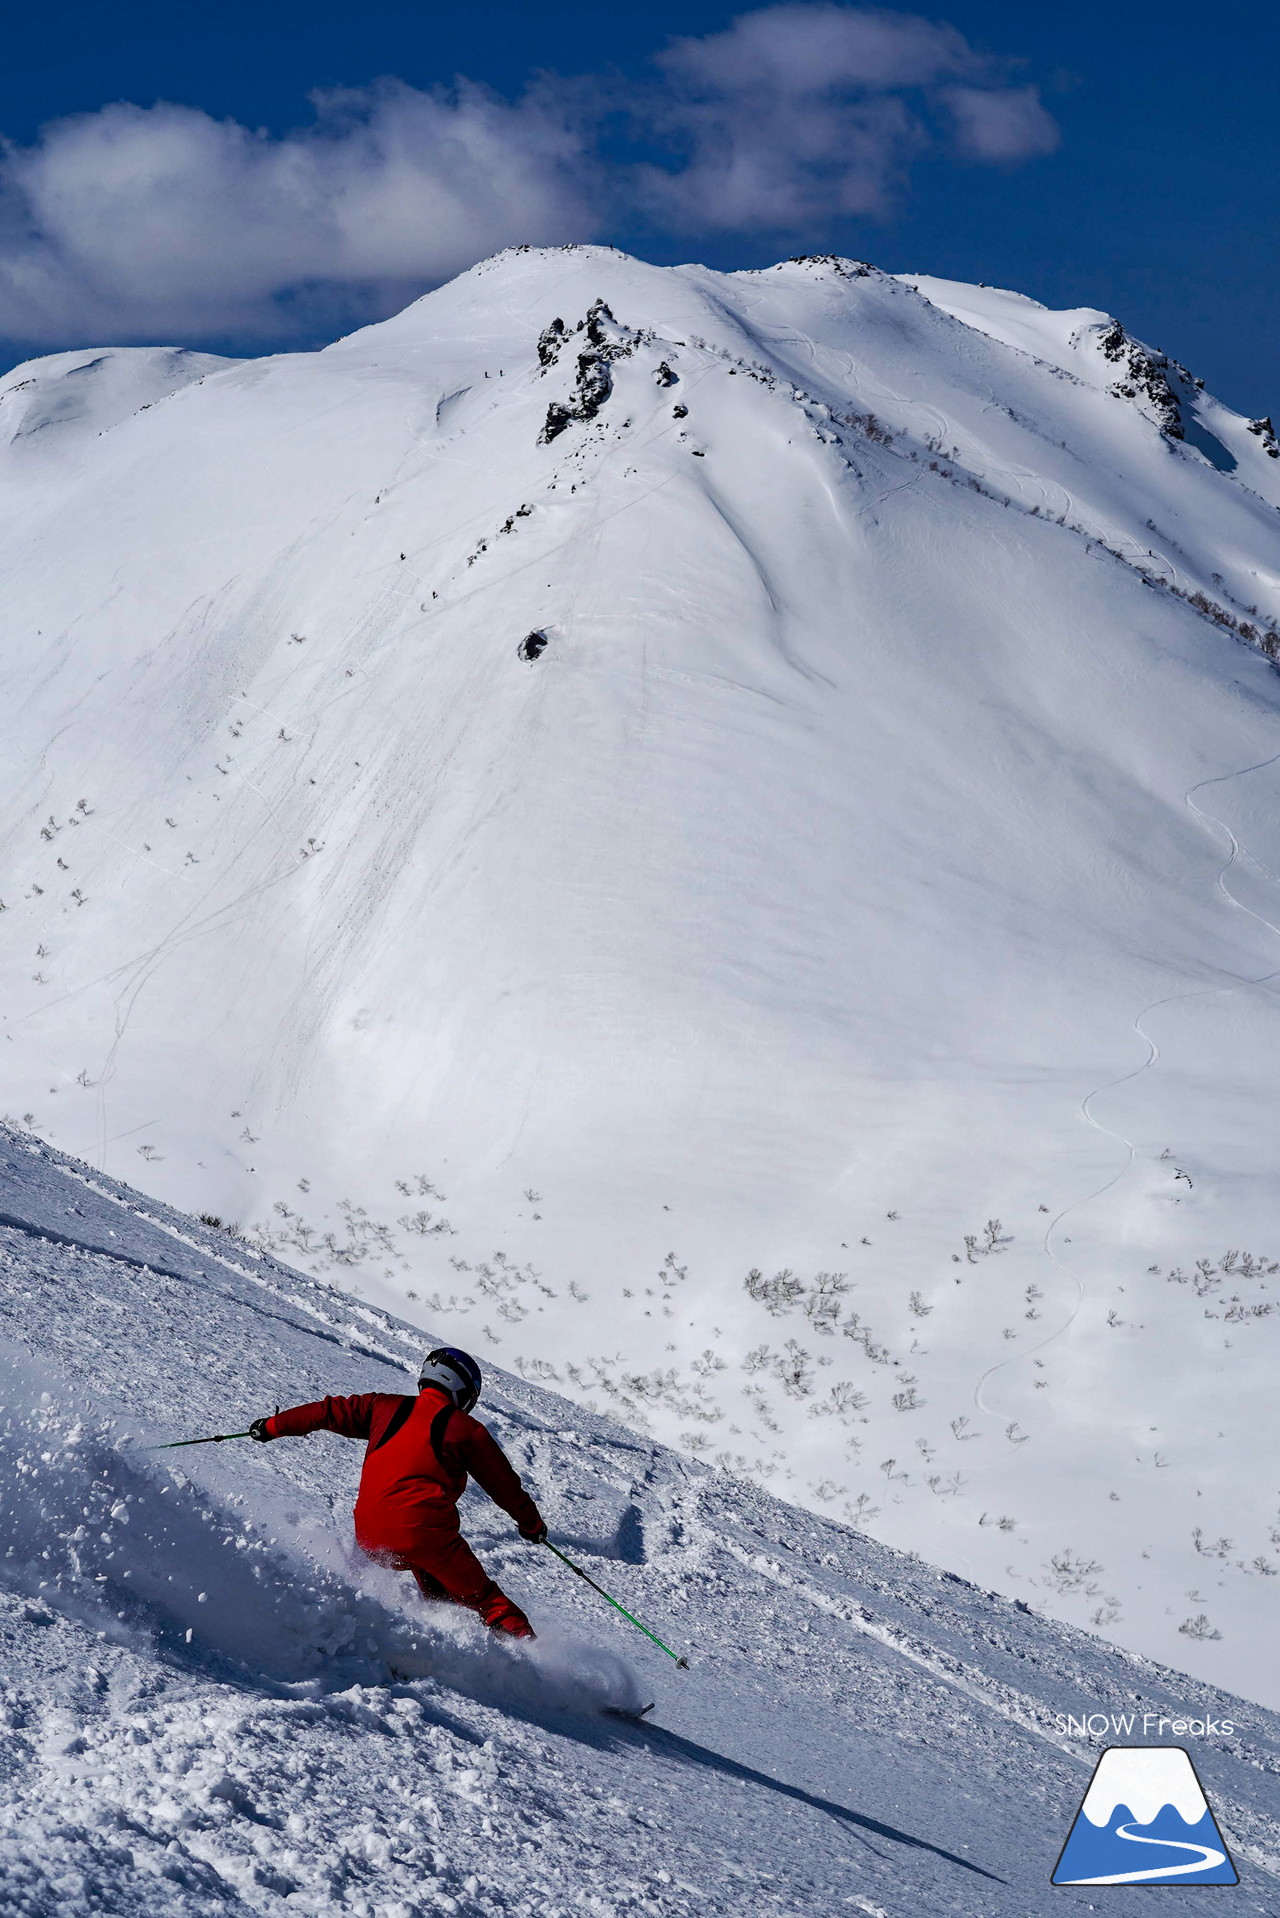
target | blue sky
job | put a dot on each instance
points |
(1113, 159)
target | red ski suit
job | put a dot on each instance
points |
(420, 1451)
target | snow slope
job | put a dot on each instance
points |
(212, 1708)
(869, 885)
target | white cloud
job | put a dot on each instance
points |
(154, 221)
(1005, 124)
(803, 111)
(163, 223)
(802, 49)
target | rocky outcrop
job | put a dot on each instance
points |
(1145, 375)
(606, 341)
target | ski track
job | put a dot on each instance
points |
(585, 858)
(166, 1773)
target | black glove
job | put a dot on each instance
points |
(258, 1430)
(538, 1536)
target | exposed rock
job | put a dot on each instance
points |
(1266, 432)
(1145, 374)
(558, 417)
(550, 340)
(607, 340)
(847, 269)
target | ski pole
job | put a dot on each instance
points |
(683, 1663)
(214, 1438)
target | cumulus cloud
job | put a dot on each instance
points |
(800, 112)
(154, 221)
(1005, 124)
(164, 223)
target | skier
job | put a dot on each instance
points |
(415, 1471)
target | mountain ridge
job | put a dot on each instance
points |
(788, 914)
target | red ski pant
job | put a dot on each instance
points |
(445, 1566)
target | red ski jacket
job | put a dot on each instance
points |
(420, 1451)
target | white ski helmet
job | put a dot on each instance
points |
(453, 1372)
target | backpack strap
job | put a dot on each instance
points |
(439, 1426)
(396, 1420)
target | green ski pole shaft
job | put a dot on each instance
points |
(683, 1663)
(214, 1438)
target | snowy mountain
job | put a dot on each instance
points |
(211, 1707)
(713, 837)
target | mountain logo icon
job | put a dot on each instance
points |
(1145, 1821)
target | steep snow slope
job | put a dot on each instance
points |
(869, 884)
(211, 1708)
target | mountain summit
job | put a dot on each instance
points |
(717, 831)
